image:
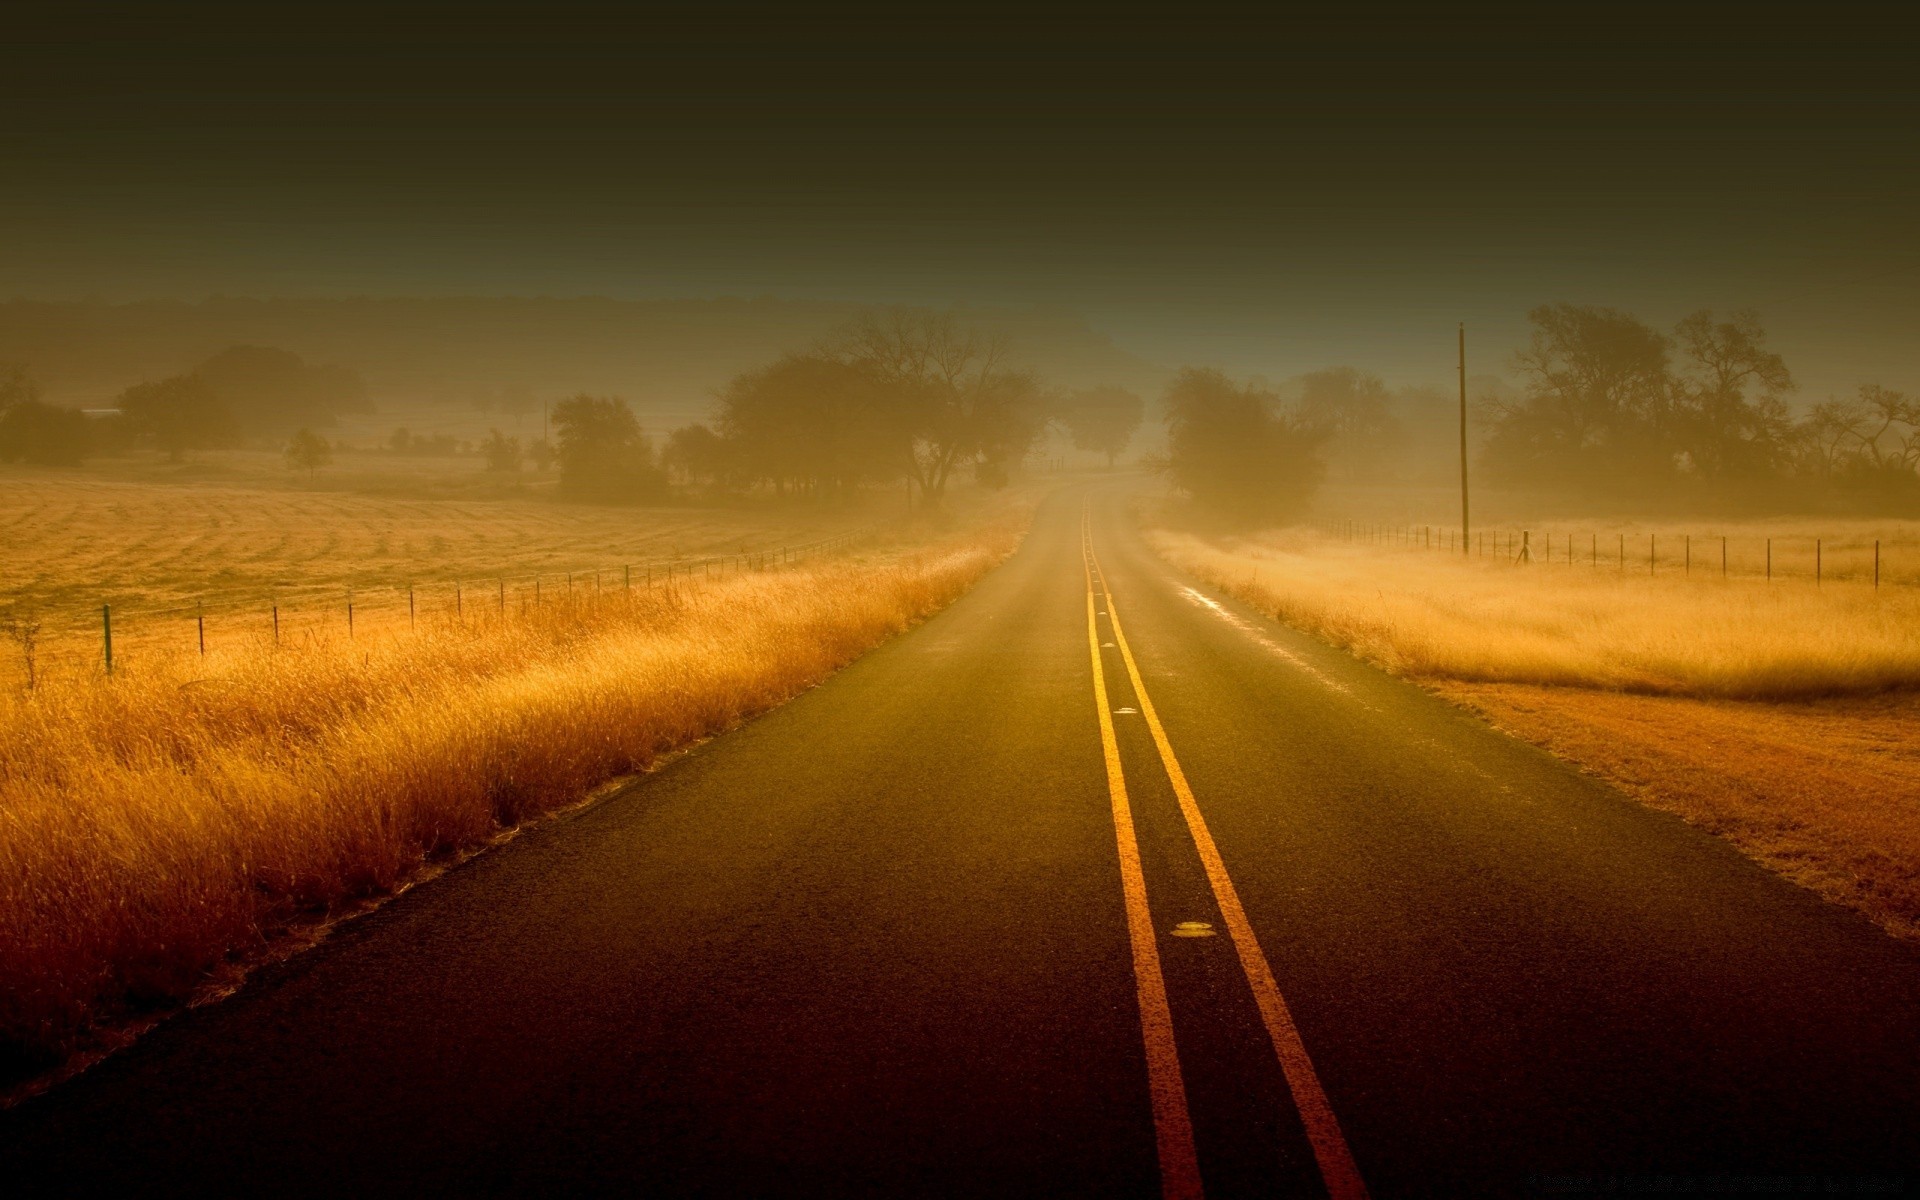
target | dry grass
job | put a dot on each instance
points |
(1782, 717)
(1431, 615)
(158, 828)
(162, 553)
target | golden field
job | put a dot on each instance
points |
(159, 829)
(1782, 716)
(165, 556)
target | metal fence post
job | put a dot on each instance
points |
(106, 631)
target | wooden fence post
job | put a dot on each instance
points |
(106, 632)
(200, 620)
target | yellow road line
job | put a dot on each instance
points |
(1330, 1150)
(1172, 1125)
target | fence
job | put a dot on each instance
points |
(105, 633)
(1759, 557)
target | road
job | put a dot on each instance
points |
(922, 931)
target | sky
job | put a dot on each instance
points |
(1260, 188)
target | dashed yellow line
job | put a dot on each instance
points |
(1172, 1124)
(1337, 1168)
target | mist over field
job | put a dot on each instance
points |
(688, 600)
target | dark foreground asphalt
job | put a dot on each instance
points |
(875, 943)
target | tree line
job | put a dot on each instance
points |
(906, 395)
(1614, 408)
(241, 393)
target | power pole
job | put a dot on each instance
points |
(1465, 526)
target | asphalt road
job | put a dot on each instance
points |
(892, 939)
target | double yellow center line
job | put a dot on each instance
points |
(1179, 1165)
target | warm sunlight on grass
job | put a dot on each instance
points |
(160, 826)
(1434, 615)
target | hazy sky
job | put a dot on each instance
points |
(1262, 189)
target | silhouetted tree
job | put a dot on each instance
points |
(959, 400)
(1233, 450)
(308, 451)
(16, 386)
(1351, 409)
(601, 451)
(269, 390)
(1730, 420)
(1102, 420)
(810, 423)
(1596, 413)
(501, 452)
(178, 414)
(699, 456)
(43, 435)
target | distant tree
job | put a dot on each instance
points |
(400, 441)
(501, 452)
(1352, 410)
(602, 453)
(1866, 451)
(1730, 419)
(1597, 412)
(1234, 450)
(16, 386)
(516, 400)
(958, 400)
(811, 424)
(43, 435)
(698, 455)
(541, 452)
(270, 390)
(308, 451)
(178, 414)
(1102, 420)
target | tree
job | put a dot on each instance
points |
(958, 399)
(270, 390)
(1351, 409)
(811, 423)
(43, 435)
(1102, 420)
(1233, 450)
(16, 386)
(1730, 419)
(178, 414)
(1596, 413)
(308, 451)
(601, 451)
(698, 455)
(501, 452)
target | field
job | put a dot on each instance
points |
(162, 828)
(1784, 715)
(176, 559)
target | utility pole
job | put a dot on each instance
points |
(1465, 527)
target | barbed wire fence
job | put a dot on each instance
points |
(1755, 557)
(42, 635)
